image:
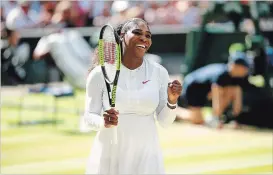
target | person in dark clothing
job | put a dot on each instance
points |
(12, 70)
(218, 83)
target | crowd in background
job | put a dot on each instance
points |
(21, 14)
(29, 14)
(25, 14)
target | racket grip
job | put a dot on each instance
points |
(115, 135)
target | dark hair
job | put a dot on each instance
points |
(7, 32)
(121, 28)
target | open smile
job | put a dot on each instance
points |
(141, 46)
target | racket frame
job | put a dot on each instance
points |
(112, 97)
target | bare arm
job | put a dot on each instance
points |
(237, 101)
(42, 48)
(217, 93)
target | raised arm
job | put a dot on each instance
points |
(166, 110)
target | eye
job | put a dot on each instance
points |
(148, 36)
(137, 32)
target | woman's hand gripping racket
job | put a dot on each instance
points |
(110, 61)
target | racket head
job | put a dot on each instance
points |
(109, 51)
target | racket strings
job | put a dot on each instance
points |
(110, 50)
(110, 46)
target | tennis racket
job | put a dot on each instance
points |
(109, 50)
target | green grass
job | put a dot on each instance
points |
(217, 156)
(62, 149)
(249, 170)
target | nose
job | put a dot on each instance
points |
(143, 38)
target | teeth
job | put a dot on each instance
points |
(141, 46)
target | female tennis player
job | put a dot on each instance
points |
(144, 91)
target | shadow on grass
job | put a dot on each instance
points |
(36, 122)
(78, 133)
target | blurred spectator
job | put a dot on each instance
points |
(2, 14)
(22, 16)
(42, 52)
(248, 26)
(88, 9)
(269, 52)
(162, 13)
(119, 10)
(7, 6)
(94, 9)
(66, 54)
(13, 58)
(47, 11)
(78, 15)
(36, 5)
(104, 17)
(63, 15)
(150, 12)
(25, 13)
(136, 11)
(172, 13)
(192, 14)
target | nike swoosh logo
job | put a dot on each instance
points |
(144, 82)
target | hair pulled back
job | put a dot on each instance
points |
(120, 29)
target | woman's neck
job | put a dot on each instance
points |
(131, 62)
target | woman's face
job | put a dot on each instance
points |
(137, 39)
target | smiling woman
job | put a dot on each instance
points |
(135, 43)
(144, 90)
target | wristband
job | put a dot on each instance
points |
(171, 106)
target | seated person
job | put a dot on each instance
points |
(13, 58)
(219, 83)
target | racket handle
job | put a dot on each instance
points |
(115, 135)
(115, 131)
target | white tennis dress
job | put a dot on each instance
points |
(141, 101)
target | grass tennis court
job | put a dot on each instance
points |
(62, 149)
